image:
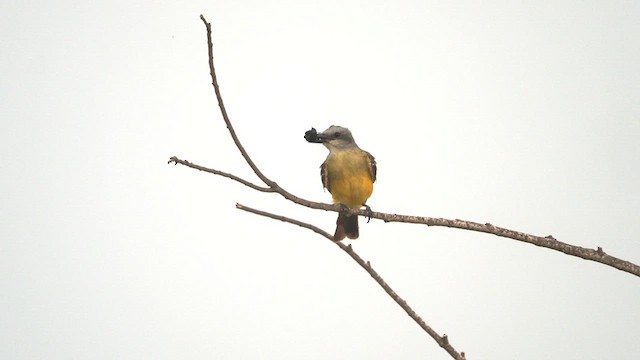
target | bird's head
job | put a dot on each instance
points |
(335, 137)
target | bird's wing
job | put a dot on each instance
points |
(324, 176)
(373, 168)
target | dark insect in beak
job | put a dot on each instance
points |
(312, 136)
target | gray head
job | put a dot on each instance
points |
(336, 137)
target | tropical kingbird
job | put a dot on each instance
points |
(348, 173)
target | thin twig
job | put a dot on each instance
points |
(443, 341)
(313, 228)
(214, 82)
(242, 181)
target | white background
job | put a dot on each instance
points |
(522, 114)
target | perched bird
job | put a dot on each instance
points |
(348, 173)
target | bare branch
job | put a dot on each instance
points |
(214, 82)
(242, 181)
(549, 242)
(443, 341)
(597, 255)
(286, 219)
(232, 132)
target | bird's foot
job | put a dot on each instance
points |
(369, 212)
(343, 208)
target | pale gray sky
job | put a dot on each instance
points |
(522, 114)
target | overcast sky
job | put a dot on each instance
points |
(522, 114)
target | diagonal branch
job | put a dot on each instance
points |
(313, 228)
(443, 340)
(232, 132)
(223, 110)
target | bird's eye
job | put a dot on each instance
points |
(337, 134)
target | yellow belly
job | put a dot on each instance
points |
(349, 178)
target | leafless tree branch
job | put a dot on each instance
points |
(443, 341)
(272, 186)
(242, 181)
(597, 255)
(313, 228)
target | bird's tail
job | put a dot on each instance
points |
(347, 225)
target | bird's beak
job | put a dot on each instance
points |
(313, 136)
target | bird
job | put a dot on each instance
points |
(348, 173)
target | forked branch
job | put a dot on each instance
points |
(597, 255)
(443, 340)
